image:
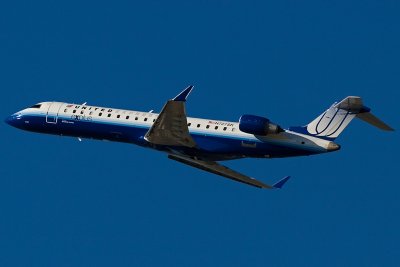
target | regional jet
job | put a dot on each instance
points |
(200, 143)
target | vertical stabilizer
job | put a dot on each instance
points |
(330, 124)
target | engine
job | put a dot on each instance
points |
(258, 125)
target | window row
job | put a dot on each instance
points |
(118, 116)
(108, 115)
(208, 126)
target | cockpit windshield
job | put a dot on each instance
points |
(36, 106)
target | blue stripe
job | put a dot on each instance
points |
(212, 146)
(147, 127)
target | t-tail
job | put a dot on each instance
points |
(330, 124)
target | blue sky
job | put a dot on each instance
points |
(91, 203)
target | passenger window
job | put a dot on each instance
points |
(216, 127)
(136, 118)
(208, 126)
(91, 112)
(198, 125)
(118, 116)
(224, 128)
(189, 124)
(74, 111)
(100, 114)
(82, 112)
(65, 110)
(109, 115)
(145, 119)
(127, 117)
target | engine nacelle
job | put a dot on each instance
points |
(258, 125)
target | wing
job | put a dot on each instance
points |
(170, 127)
(214, 167)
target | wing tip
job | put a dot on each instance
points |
(182, 96)
(281, 182)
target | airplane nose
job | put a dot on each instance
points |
(9, 120)
(13, 120)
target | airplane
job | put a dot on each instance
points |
(196, 142)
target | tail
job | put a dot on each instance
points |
(330, 124)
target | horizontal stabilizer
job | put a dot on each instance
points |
(371, 119)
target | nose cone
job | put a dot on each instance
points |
(13, 120)
(9, 120)
(332, 147)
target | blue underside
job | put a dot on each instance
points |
(211, 147)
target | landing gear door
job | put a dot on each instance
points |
(52, 112)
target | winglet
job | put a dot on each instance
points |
(280, 183)
(184, 94)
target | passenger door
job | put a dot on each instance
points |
(52, 112)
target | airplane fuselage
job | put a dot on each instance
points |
(199, 143)
(216, 140)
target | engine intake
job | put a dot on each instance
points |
(258, 125)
